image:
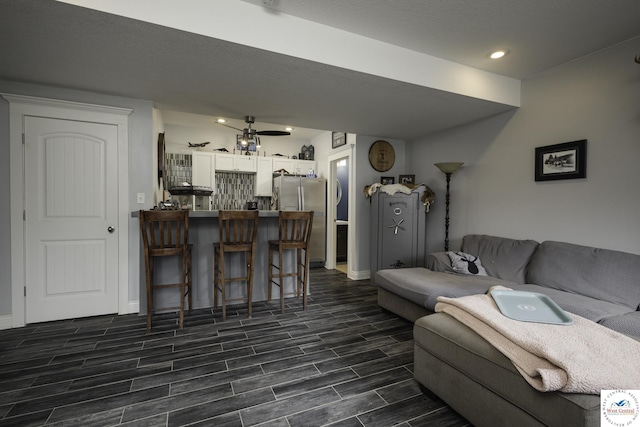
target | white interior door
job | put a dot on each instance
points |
(71, 214)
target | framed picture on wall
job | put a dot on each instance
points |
(387, 180)
(561, 161)
(407, 179)
(338, 139)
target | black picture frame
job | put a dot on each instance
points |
(338, 139)
(407, 179)
(387, 180)
(161, 157)
(561, 161)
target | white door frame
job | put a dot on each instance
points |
(20, 106)
(335, 155)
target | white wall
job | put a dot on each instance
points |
(594, 98)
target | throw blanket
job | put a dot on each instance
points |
(583, 357)
(427, 198)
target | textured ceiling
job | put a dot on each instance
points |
(540, 34)
(51, 43)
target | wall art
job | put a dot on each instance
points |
(561, 161)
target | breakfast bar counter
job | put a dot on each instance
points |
(203, 232)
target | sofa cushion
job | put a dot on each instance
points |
(503, 258)
(628, 324)
(423, 286)
(439, 261)
(466, 263)
(598, 273)
(587, 307)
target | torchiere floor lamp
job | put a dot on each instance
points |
(448, 168)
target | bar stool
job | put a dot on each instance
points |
(294, 234)
(166, 234)
(238, 231)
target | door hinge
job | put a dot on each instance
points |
(24, 214)
(23, 139)
(25, 291)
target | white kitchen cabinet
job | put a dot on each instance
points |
(264, 177)
(235, 163)
(283, 163)
(203, 169)
(294, 166)
(301, 167)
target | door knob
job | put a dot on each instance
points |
(111, 229)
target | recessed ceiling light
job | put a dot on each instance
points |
(497, 54)
(288, 129)
(220, 120)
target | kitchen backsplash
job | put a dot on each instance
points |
(178, 169)
(233, 190)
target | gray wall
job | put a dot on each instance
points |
(141, 145)
(594, 98)
(5, 212)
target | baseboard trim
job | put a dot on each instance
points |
(132, 307)
(6, 321)
(359, 275)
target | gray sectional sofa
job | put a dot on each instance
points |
(463, 369)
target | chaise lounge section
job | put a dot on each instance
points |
(462, 368)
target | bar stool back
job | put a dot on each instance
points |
(294, 234)
(166, 234)
(238, 231)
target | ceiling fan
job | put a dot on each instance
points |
(250, 134)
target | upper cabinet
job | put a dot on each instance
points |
(302, 167)
(264, 178)
(203, 169)
(293, 166)
(283, 163)
(235, 163)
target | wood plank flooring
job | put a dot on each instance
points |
(344, 362)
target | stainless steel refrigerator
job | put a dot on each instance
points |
(300, 193)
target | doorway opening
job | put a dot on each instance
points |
(342, 214)
(340, 211)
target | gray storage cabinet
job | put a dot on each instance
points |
(398, 230)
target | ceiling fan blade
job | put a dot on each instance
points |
(222, 124)
(273, 133)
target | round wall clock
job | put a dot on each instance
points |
(382, 156)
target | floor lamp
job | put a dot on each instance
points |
(448, 168)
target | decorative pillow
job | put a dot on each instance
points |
(466, 263)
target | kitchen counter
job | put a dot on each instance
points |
(203, 232)
(214, 214)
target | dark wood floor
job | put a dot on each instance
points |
(343, 362)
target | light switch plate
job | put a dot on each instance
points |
(140, 197)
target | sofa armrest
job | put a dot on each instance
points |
(439, 261)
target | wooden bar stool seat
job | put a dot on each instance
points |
(166, 234)
(294, 235)
(238, 231)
